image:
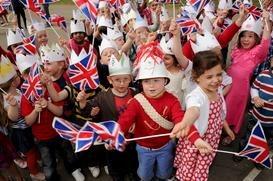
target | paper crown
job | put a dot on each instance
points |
(7, 70)
(247, 2)
(107, 43)
(125, 17)
(210, 7)
(204, 42)
(190, 11)
(14, 37)
(119, 67)
(36, 27)
(77, 26)
(53, 53)
(164, 15)
(126, 8)
(77, 15)
(166, 45)
(206, 24)
(103, 21)
(74, 58)
(253, 25)
(225, 4)
(140, 22)
(103, 4)
(113, 34)
(24, 62)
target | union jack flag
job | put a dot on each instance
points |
(257, 148)
(28, 46)
(187, 25)
(117, 3)
(88, 8)
(32, 87)
(85, 138)
(36, 8)
(198, 5)
(84, 75)
(59, 20)
(65, 129)
(46, 1)
(225, 24)
(5, 3)
(252, 10)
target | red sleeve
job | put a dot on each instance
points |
(127, 118)
(226, 36)
(26, 107)
(58, 89)
(177, 112)
(193, 134)
(187, 50)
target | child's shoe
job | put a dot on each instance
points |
(39, 176)
(106, 170)
(95, 171)
(78, 176)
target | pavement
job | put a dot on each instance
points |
(223, 167)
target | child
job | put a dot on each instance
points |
(206, 110)
(154, 111)
(245, 57)
(112, 103)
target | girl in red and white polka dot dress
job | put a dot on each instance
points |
(203, 121)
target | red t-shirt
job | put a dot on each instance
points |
(122, 102)
(41, 130)
(167, 106)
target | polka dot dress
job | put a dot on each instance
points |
(192, 165)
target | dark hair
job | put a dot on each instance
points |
(203, 61)
(257, 39)
(102, 30)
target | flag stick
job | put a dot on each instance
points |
(174, 16)
(220, 151)
(146, 137)
(4, 92)
(261, 4)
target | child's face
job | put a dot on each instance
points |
(153, 87)
(211, 79)
(222, 12)
(247, 40)
(154, 5)
(106, 55)
(142, 32)
(54, 68)
(168, 61)
(120, 83)
(78, 37)
(119, 42)
(16, 81)
(42, 38)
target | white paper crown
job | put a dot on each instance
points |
(7, 70)
(206, 24)
(251, 24)
(77, 26)
(74, 58)
(14, 37)
(225, 4)
(103, 21)
(113, 34)
(119, 67)
(204, 42)
(210, 7)
(126, 8)
(53, 53)
(36, 27)
(24, 62)
(107, 43)
(164, 15)
(102, 4)
(140, 22)
(166, 45)
(77, 15)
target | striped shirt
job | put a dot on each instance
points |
(264, 85)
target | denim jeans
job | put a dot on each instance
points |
(155, 162)
(48, 150)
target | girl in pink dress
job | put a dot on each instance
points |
(206, 111)
(245, 58)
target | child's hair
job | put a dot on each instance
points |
(203, 61)
(102, 30)
(3, 113)
(257, 39)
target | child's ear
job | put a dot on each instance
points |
(109, 79)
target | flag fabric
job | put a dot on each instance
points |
(32, 87)
(257, 148)
(187, 25)
(5, 3)
(198, 5)
(117, 3)
(46, 1)
(88, 8)
(65, 129)
(84, 75)
(85, 138)
(252, 10)
(28, 46)
(59, 20)
(36, 8)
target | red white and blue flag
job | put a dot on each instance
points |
(32, 87)
(198, 5)
(59, 20)
(36, 8)
(46, 1)
(65, 129)
(257, 148)
(84, 75)
(88, 8)
(28, 46)
(117, 3)
(187, 25)
(5, 3)
(252, 10)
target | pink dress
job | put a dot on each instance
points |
(243, 64)
(190, 164)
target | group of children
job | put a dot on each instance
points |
(150, 80)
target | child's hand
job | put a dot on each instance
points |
(94, 111)
(45, 78)
(10, 100)
(151, 37)
(258, 102)
(82, 96)
(180, 130)
(43, 102)
(62, 42)
(174, 28)
(131, 34)
(230, 134)
(37, 107)
(203, 146)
